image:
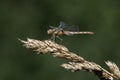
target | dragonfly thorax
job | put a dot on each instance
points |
(55, 31)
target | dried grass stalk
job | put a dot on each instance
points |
(114, 68)
(77, 63)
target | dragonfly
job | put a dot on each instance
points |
(65, 29)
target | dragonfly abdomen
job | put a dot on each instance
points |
(73, 33)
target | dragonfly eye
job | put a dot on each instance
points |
(50, 31)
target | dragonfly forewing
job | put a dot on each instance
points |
(67, 27)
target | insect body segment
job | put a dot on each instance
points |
(56, 31)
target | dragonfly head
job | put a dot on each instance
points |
(50, 31)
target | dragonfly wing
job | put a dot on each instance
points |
(73, 28)
(62, 25)
(52, 27)
(67, 27)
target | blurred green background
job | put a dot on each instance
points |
(31, 19)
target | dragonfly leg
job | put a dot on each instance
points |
(53, 38)
(59, 38)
